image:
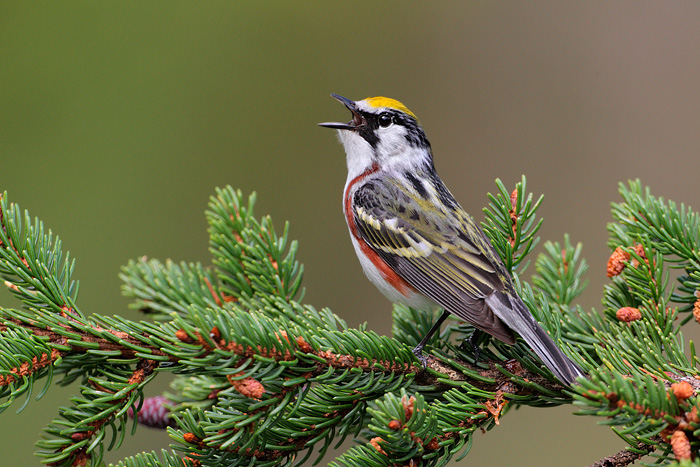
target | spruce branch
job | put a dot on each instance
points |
(511, 223)
(625, 456)
(264, 379)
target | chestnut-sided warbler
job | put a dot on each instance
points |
(416, 243)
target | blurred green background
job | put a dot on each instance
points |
(118, 119)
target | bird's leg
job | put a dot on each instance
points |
(418, 350)
(473, 341)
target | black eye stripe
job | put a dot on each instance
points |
(414, 133)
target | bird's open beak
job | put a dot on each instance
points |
(357, 118)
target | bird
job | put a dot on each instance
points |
(416, 243)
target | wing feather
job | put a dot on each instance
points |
(441, 253)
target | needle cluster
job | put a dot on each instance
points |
(265, 379)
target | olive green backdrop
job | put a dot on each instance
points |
(118, 119)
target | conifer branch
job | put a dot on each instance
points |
(625, 456)
(264, 379)
(124, 345)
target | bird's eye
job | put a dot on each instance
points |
(384, 120)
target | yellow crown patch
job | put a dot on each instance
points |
(389, 103)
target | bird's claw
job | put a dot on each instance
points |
(421, 358)
(477, 352)
(473, 341)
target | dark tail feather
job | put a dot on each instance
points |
(515, 314)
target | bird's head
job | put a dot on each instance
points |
(382, 131)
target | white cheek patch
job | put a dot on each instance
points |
(392, 141)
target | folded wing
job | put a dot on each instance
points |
(433, 252)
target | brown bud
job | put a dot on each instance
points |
(628, 314)
(81, 458)
(190, 438)
(696, 310)
(514, 199)
(433, 445)
(375, 443)
(617, 262)
(282, 334)
(182, 335)
(303, 345)
(249, 387)
(639, 249)
(408, 406)
(80, 436)
(680, 445)
(215, 333)
(395, 425)
(682, 390)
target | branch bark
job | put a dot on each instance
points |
(625, 456)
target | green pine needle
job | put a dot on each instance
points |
(264, 379)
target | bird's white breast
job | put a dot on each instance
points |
(412, 298)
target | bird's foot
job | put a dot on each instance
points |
(418, 352)
(473, 342)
